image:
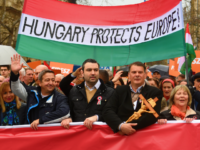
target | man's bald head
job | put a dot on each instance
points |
(58, 79)
(39, 69)
(1, 79)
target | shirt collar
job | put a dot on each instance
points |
(138, 89)
(96, 86)
(43, 96)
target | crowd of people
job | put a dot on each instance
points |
(88, 95)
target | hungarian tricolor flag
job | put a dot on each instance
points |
(190, 54)
(114, 36)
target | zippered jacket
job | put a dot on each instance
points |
(55, 109)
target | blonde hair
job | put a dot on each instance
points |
(2, 89)
(173, 92)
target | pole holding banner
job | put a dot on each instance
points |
(186, 71)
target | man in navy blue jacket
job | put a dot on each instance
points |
(44, 103)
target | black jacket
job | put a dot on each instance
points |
(167, 115)
(21, 113)
(120, 107)
(80, 109)
(52, 109)
(195, 98)
(65, 85)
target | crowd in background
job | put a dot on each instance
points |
(39, 96)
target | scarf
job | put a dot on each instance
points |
(176, 112)
(166, 97)
(10, 117)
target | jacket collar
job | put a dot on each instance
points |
(138, 89)
(96, 86)
(188, 113)
(143, 89)
(38, 91)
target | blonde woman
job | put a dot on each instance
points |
(12, 111)
(179, 106)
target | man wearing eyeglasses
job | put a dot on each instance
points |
(5, 71)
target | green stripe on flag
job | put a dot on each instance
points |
(190, 57)
(166, 47)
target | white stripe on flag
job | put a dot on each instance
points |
(180, 62)
(188, 39)
(101, 35)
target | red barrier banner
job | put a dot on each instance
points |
(173, 135)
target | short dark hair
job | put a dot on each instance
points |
(7, 66)
(103, 74)
(137, 63)
(185, 80)
(90, 61)
(121, 81)
(155, 80)
(43, 72)
(156, 71)
(182, 76)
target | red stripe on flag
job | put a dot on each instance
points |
(114, 71)
(98, 15)
(187, 29)
(47, 65)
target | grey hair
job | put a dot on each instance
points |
(60, 75)
(27, 68)
(22, 71)
(43, 72)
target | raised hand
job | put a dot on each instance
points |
(15, 64)
(117, 76)
(77, 73)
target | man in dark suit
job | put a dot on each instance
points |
(125, 101)
(87, 99)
